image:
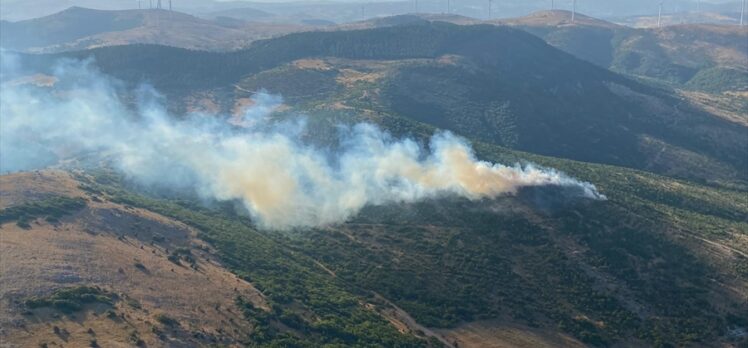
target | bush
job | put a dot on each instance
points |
(166, 320)
(52, 209)
(140, 266)
(71, 300)
(180, 254)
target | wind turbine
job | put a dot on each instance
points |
(573, 10)
(659, 16)
(553, 5)
(742, 13)
(489, 8)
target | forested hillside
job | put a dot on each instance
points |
(504, 86)
(79, 28)
(657, 258)
(596, 271)
(675, 53)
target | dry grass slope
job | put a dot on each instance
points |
(125, 251)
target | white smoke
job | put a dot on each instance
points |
(283, 182)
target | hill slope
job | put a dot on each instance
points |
(106, 273)
(660, 262)
(673, 53)
(532, 268)
(80, 28)
(126, 252)
(531, 97)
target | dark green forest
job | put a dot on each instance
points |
(652, 265)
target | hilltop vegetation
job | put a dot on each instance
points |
(595, 270)
(52, 209)
(531, 97)
(69, 300)
(81, 28)
(540, 259)
(661, 262)
(674, 54)
(307, 307)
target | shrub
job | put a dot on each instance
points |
(52, 209)
(166, 320)
(140, 266)
(69, 300)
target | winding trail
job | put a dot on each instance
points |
(400, 314)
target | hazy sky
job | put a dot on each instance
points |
(15, 10)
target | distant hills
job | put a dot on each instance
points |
(631, 11)
(662, 262)
(80, 28)
(703, 57)
(472, 79)
(672, 53)
(496, 84)
(650, 21)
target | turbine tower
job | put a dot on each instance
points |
(573, 10)
(553, 5)
(169, 5)
(659, 16)
(158, 4)
(742, 13)
(489, 8)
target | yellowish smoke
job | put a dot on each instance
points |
(283, 182)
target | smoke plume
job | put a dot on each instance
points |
(282, 181)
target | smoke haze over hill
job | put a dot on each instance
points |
(344, 11)
(283, 182)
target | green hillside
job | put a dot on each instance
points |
(673, 54)
(662, 262)
(654, 264)
(308, 308)
(503, 86)
(71, 24)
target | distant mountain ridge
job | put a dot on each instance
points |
(81, 28)
(671, 53)
(661, 261)
(496, 84)
(68, 25)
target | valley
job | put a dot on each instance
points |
(209, 181)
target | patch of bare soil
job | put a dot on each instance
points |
(723, 106)
(240, 107)
(404, 322)
(203, 103)
(351, 77)
(125, 251)
(39, 80)
(500, 335)
(314, 64)
(18, 188)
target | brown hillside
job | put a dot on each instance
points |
(122, 250)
